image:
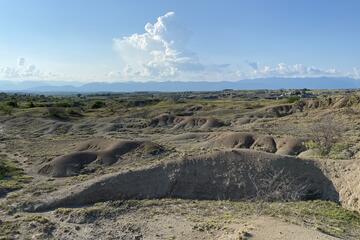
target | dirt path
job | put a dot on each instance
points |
(273, 229)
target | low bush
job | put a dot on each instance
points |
(12, 103)
(98, 104)
(6, 109)
(58, 113)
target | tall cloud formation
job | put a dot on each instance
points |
(160, 52)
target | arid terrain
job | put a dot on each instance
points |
(231, 164)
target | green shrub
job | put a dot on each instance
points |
(311, 145)
(6, 109)
(58, 112)
(293, 99)
(74, 111)
(12, 103)
(325, 133)
(31, 104)
(98, 104)
(7, 169)
(11, 177)
(63, 104)
(339, 147)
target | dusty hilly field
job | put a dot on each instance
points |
(216, 165)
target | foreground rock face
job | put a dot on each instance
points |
(346, 178)
(349, 188)
(235, 175)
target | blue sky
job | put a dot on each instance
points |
(92, 40)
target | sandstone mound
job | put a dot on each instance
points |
(113, 127)
(212, 123)
(236, 140)
(194, 108)
(96, 151)
(235, 175)
(312, 104)
(331, 101)
(323, 102)
(290, 146)
(202, 123)
(266, 143)
(346, 101)
(280, 111)
(112, 154)
(184, 122)
(68, 165)
(272, 112)
(190, 110)
(162, 120)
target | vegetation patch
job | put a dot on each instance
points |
(326, 216)
(6, 109)
(11, 177)
(8, 229)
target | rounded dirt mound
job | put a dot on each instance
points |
(184, 122)
(290, 146)
(265, 143)
(280, 111)
(234, 175)
(97, 151)
(162, 120)
(235, 140)
(68, 165)
(202, 123)
(332, 101)
(212, 123)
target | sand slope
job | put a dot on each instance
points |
(236, 175)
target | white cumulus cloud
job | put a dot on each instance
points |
(296, 70)
(356, 73)
(158, 53)
(24, 71)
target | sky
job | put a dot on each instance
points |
(166, 40)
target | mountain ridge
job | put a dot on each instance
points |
(174, 86)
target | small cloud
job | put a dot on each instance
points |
(21, 62)
(356, 72)
(296, 70)
(23, 71)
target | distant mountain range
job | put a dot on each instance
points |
(174, 86)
